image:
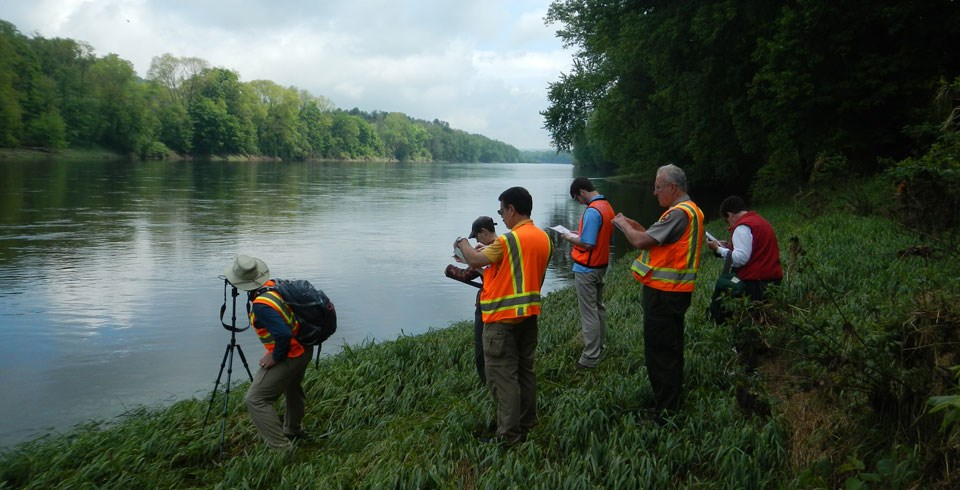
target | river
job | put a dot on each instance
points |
(112, 270)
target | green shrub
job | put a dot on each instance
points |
(155, 151)
(927, 186)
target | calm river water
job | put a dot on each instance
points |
(112, 269)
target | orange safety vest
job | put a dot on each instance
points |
(673, 267)
(599, 255)
(511, 289)
(273, 300)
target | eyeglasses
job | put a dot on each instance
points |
(656, 188)
(500, 212)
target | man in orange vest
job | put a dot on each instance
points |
(283, 366)
(590, 254)
(509, 304)
(667, 268)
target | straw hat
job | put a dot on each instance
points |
(247, 273)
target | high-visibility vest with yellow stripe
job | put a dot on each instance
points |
(673, 267)
(511, 289)
(273, 300)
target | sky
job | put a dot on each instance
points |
(483, 66)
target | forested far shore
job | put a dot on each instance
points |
(56, 94)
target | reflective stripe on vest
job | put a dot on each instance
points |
(273, 300)
(665, 267)
(512, 288)
(599, 255)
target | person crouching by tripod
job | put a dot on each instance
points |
(283, 366)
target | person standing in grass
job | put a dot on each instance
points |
(283, 366)
(591, 254)
(667, 268)
(755, 257)
(509, 305)
(483, 231)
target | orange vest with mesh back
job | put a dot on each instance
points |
(273, 300)
(599, 255)
(511, 289)
(673, 267)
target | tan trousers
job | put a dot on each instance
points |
(593, 314)
(268, 384)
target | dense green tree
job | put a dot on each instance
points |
(180, 77)
(66, 84)
(215, 130)
(122, 123)
(47, 130)
(275, 117)
(354, 138)
(174, 85)
(12, 45)
(315, 124)
(222, 122)
(726, 88)
(402, 138)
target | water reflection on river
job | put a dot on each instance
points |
(111, 268)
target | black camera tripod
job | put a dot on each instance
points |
(228, 354)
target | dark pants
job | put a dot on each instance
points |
(509, 349)
(756, 289)
(746, 336)
(663, 315)
(478, 345)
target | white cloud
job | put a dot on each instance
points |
(482, 66)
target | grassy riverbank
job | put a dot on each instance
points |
(840, 397)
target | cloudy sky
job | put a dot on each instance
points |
(481, 65)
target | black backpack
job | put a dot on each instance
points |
(314, 310)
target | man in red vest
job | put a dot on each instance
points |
(755, 257)
(509, 304)
(590, 254)
(667, 268)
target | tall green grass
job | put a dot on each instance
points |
(406, 413)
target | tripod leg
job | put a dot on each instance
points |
(226, 398)
(216, 384)
(244, 359)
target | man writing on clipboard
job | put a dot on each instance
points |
(590, 254)
(754, 256)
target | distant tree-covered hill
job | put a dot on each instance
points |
(545, 156)
(55, 93)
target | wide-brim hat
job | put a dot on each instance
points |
(247, 273)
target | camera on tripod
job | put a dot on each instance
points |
(246, 273)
